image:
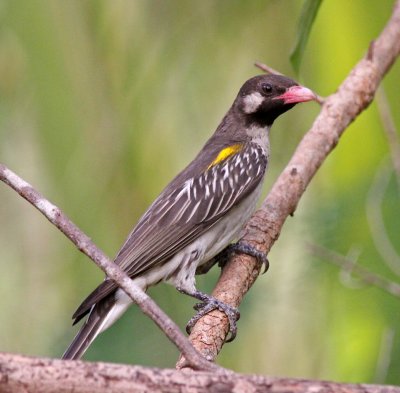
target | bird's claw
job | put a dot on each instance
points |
(252, 251)
(239, 247)
(210, 304)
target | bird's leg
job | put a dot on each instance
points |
(209, 303)
(205, 267)
(221, 258)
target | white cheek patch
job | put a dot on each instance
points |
(252, 102)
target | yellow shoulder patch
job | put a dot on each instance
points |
(225, 153)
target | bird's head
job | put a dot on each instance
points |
(265, 97)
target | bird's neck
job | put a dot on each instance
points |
(259, 136)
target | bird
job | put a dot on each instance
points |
(199, 213)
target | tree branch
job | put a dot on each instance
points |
(24, 374)
(338, 111)
(85, 245)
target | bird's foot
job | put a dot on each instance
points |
(205, 267)
(222, 257)
(245, 248)
(209, 303)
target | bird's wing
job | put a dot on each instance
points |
(181, 214)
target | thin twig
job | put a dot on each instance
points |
(385, 355)
(346, 275)
(266, 68)
(376, 223)
(390, 131)
(366, 276)
(269, 70)
(85, 245)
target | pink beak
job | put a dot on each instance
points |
(296, 94)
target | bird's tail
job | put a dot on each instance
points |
(102, 315)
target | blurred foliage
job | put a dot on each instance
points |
(306, 21)
(102, 102)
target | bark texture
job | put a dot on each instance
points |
(21, 374)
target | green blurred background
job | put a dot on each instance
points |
(102, 102)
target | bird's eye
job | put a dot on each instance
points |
(266, 88)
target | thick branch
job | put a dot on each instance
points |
(339, 110)
(34, 375)
(84, 244)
